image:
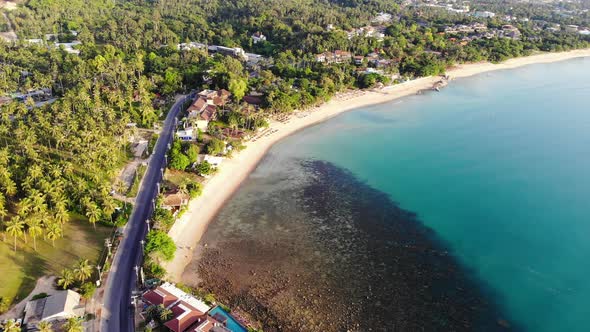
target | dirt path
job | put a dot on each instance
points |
(9, 35)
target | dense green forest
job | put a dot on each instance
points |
(61, 157)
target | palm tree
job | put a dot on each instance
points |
(44, 326)
(15, 228)
(34, 230)
(74, 324)
(182, 189)
(61, 216)
(152, 313)
(108, 207)
(120, 187)
(165, 314)
(11, 326)
(83, 270)
(66, 278)
(10, 187)
(35, 172)
(54, 232)
(93, 214)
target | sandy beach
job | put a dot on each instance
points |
(187, 231)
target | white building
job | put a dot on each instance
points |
(258, 37)
(69, 47)
(59, 306)
(182, 296)
(212, 160)
(382, 18)
(190, 46)
(34, 41)
(186, 134)
(484, 14)
(237, 52)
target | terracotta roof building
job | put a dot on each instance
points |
(210, 324)
(185, 315)
(187, 311)
(159, 296)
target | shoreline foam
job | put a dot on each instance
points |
(188, 230)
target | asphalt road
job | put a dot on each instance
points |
(118, 311)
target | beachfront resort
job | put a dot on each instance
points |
(179, 311)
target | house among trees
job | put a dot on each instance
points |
(186, 134)
(382, 18)
(59, 306)
(236, 52)
(204, 108)
(258, 37)
(215, 97)
(214, 161)
(337, 56)
(173, 202)
(484, 14)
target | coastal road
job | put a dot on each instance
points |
(118, 310)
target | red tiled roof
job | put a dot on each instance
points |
(208, 113)
(218, 101)
(224, 93)
(184, 316)
(218, 97)
(159, 296)
(228, 132)
(206, 325)
(198, 106)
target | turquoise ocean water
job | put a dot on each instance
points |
(498, 165)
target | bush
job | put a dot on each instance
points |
(87, 290)
(224, 307)
(121, 216)
(136, 181)
(209, 298)
(215, 146)
(161, 244)
(39, 296)
(204, 168)
(192, 153)
(195, 189)
(238, 146)
(152, 142)
(154, 270)
(185, 288)
(179, 161)
(163, 218)
(4, 304)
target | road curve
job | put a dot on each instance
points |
(118, 311)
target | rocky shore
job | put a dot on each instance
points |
(336, 255)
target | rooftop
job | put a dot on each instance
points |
(189, 299)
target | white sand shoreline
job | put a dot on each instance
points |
(188, 230)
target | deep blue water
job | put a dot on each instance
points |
(498, 165)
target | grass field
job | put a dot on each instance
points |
(19, 271)
(177, 177)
